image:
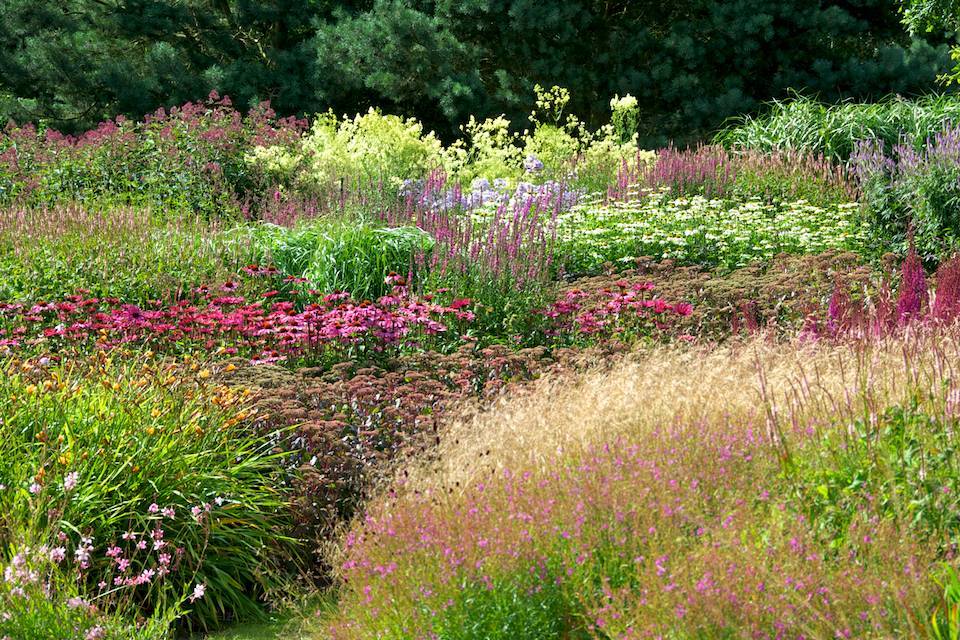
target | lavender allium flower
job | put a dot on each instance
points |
(532, 164)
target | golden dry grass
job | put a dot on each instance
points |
(779, 386)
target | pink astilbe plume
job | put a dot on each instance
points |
(840, 310)
(913, 295)
(946, 301)
(884, 313)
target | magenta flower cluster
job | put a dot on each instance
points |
(608, 310)
(884, 313)
(264, 329)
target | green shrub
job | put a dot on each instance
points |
(901, 461)
(488, 149)
(372, 147)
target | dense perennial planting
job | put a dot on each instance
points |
(521, 385)
(189, 158)
(697, 230)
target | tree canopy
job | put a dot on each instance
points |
(691, 63)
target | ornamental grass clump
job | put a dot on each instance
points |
(338, 255)
(125, 252)
(759, 489)
(141, 479)
(805, 124)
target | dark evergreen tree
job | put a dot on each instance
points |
(691, 63)
(73, 62)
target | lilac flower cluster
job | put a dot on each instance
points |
(912, 192)
(434, 193)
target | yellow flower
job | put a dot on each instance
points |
(31, 389)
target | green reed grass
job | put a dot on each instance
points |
(805, 124)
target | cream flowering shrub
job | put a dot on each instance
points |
(626, 116)
(698, 230)
(372, 146)
(488, 149)
(391, 149)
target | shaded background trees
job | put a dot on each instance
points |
(691, 63)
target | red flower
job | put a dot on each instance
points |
(460, 303)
